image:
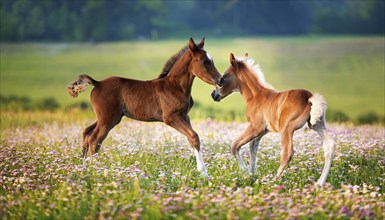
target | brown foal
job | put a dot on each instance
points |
(270, 110)
(165, 99)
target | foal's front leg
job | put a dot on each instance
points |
(244, 138)
(183, 126)
(253, 147)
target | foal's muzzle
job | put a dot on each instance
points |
(216, 96)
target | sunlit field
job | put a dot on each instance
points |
(148, 171)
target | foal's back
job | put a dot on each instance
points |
(280, 108)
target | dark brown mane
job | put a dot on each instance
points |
(170, 62)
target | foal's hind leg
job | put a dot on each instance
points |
(99, 133)
(328, 145)
(97, 138)
(86, 133)
(287, 149)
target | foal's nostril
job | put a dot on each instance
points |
(215, 96)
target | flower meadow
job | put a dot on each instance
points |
(148, 171)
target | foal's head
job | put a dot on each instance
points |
(230, 81)
(202, 65)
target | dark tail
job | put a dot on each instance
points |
(80, 85)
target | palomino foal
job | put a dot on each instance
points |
(270, 110)
(165, 99)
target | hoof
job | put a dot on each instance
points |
(204, 173)
(320, 183)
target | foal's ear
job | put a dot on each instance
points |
(246, 55)
(202, 43)
(233, 61)
(191, 44)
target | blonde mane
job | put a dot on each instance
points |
(254, 68)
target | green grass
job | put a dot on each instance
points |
(148, 171)
(348, 71)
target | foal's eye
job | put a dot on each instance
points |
(221, 81)
(205, 62)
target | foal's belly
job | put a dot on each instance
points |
(143, 117)
(143, 113)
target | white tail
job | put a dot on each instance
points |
(318, 108)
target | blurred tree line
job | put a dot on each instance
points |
(110, 20)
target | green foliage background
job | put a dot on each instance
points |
(111, 20)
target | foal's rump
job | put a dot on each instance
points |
(291, 106)
(313, 106)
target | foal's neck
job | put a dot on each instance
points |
(251, 87)
(180, 73)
